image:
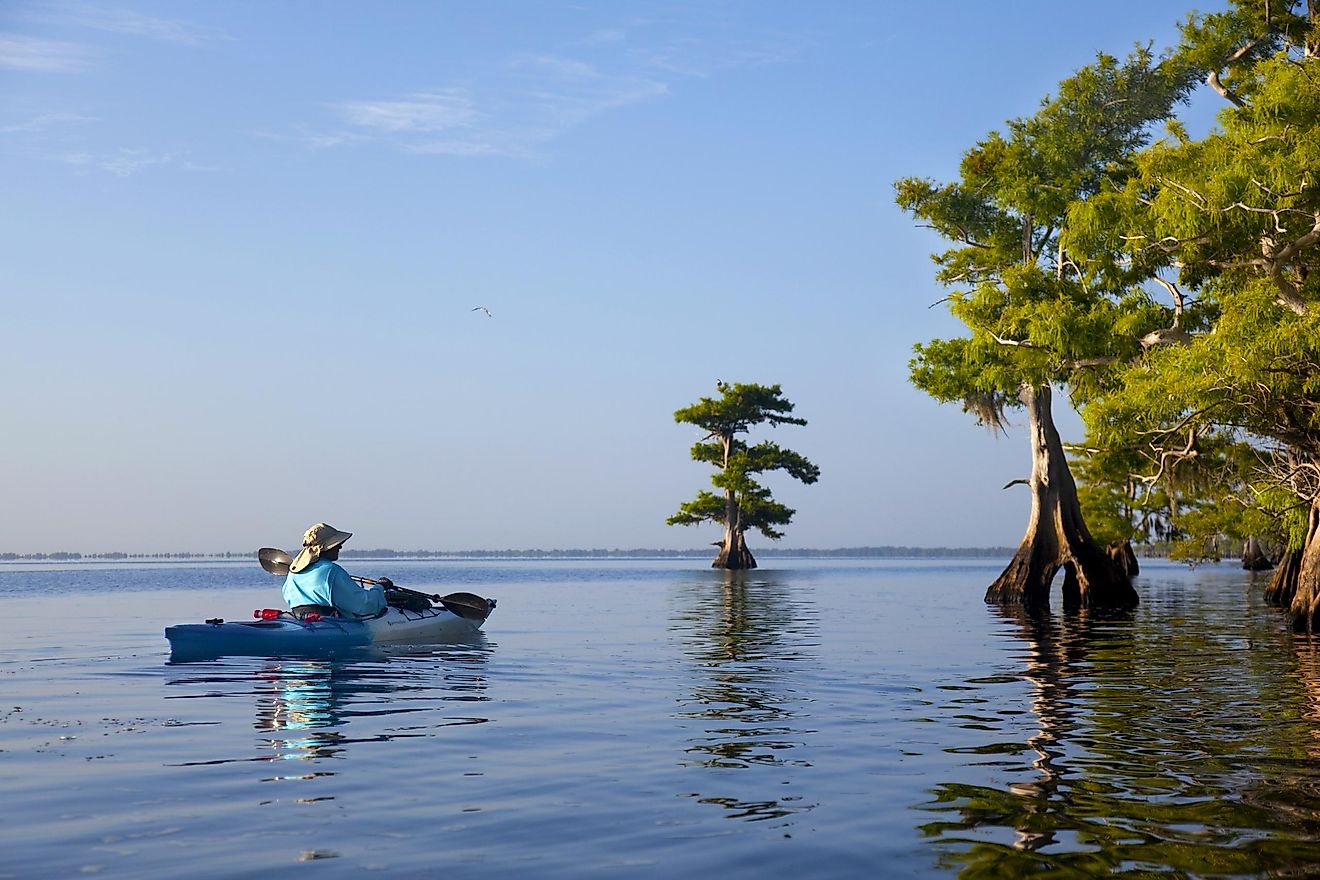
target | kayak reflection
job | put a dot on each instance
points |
(317, 709)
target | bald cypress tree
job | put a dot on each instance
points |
(1232, 221)
(1037, 317)
(742, 502)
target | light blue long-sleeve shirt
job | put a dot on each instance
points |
(325, 583)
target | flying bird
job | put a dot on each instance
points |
(483, 310)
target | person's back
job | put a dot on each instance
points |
(317, 583)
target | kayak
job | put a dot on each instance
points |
(279, 633)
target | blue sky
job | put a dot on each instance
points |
(242, 244)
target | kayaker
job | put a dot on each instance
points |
(316, 583)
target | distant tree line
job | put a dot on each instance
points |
(65, 556)
(694, 553)
(886, 552)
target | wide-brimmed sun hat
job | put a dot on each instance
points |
(317, 540)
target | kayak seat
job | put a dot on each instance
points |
(301, 611)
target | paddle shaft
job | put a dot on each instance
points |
(434, 597)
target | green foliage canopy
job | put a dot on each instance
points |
(743, 502)
(1231, 222)
(1038, 315)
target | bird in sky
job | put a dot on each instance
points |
(484, 311)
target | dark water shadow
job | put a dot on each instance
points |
(746, 637)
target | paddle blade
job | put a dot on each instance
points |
(274, 561)
(468, 605)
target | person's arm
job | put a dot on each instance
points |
(352, 599)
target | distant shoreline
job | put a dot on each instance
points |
(887, 552)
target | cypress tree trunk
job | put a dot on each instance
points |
(734, 554)
(1122, 555)
(1057, 536)
(1306, 596)
(1283, 585)
(1253, 557)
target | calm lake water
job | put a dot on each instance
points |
(641, 719)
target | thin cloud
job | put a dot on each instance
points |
(19, 52)
(324, 141)
(605, 36)
(692, 59)
(558, 67)
(123, 163)
(125, 22)
(47, 121)
(562, 93)
(532, 99)
(425, 112)
(472, 148)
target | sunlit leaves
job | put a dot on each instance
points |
(1227, 423)
(738, 408)
(1035, 314)
(706, 507)
(743, 502)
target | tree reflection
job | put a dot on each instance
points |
(1307, 650)
(1056, 664)
(1057, 651)
(1290, 787)
(1144, 752)
(744, 634)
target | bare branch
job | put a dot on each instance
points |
(1016, 343)
(1200, 199)
(1178, 300)
(1083, 363)
(1213, 81)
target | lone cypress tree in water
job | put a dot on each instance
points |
(742, 503)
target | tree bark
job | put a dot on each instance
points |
(1306, 598)
(1283, 585)
(1057, 536)
(1253, 556)
(734, 554)
(1122, 555)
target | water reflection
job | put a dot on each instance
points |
(1307, 650)
(1291, 784)
(747, 636)
(313, 710)
(1144, 746)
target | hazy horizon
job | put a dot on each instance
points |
(420, 553)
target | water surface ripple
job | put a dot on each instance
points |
(651, 718)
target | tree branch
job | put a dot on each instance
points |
(1212, 78)
(1015, 343)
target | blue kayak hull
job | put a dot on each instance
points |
(288, 636)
